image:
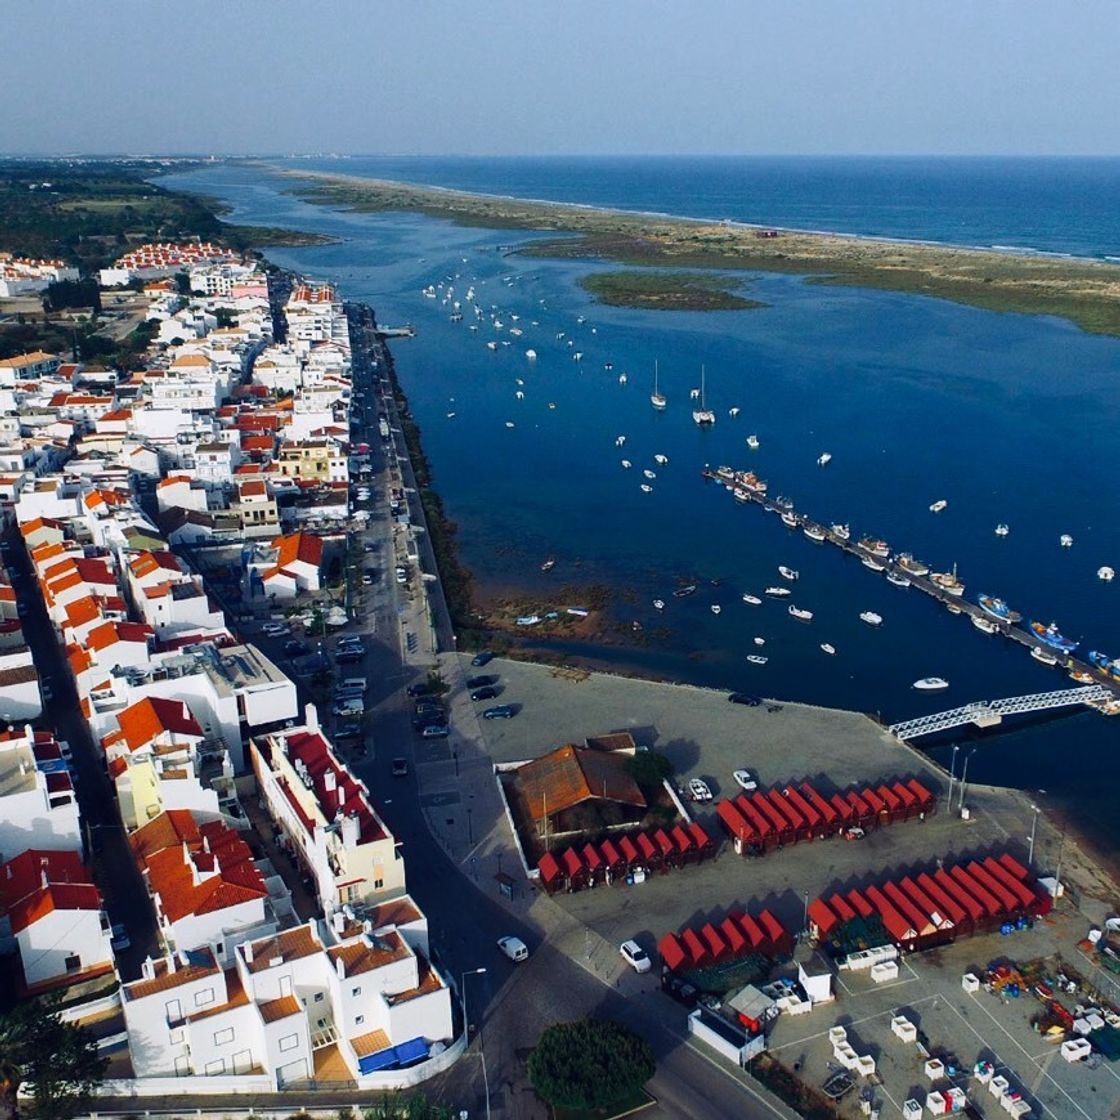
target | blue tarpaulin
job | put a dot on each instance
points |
(406, 1054)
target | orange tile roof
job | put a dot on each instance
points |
(273, 1009)
(110, 633)
(201, 964)
(236, 996)
(298, 546)
(567, 776)
(290, 945)
(149, 718)
(366, 953)
(372, 1043)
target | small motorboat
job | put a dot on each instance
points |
(659, 604)
(824, 459)
(777, 592)
(646, 488)
(548, 565)
(984, 625)
(829, 648)
(871, 618)
(716, 608)
(752, 442)
(760, 641)
(896, 580)
(788, 573)
(843, 532)
(1039, 654)
(930, 684)
(938, 506)
(1065, 540)
(1106, 574)
(873, 564)
(649, 474)
(1002, 530)
(800, 613)
(789, 519)
(626, 464)
(752, 600)
(661, 460)
(682, 592)
(814, 533)
(757, 659)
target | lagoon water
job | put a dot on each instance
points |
(1010, 418)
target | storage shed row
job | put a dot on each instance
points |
(716, 943)
(765, 819)
(655, 849)
(933, 908)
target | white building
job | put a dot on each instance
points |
(38, 808)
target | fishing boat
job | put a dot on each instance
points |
(777, 592)
(661, 460)
(896, 580)
(952, 608)
(871, 618)
(752, 600)
(814, 533)
(1051, 636)
(824, 459)
(733, 412)
(756, 659)
(657, 397)
(1081, 676)
(646, 488)
(930, 684)
(716, 608)
(760, 641)
(626, 464)
(829, 648)
(1039, 654)
(873, 564)
(782, 502)
(875, 546)
(1002, 530)
(789, 519)
(938, 506)
(750, 481)
(948, 582)
(788, 573)
(1065, 540)
(683, 592)
(997, 608)
(752, 442)
(531, 355)
(649, 474)
(548, 565)
(910, 566)
(1105, 664)
(1106, 574)
(800, 613)
(491, 346)
(703, 416)
(740, 495)
(843, 532)
(984, 625)
(727, 474)
(659, 604)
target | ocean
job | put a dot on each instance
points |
(1010, 418)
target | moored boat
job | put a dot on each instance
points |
(873, 564)
(997, 608)
(682, 592)
(657, 398)
(930, 684)
(875, 546)
(1081, 676)
(948, 582)
(897, 580)
(646, 488)
(800, 613)
(824, 459)
(787, 573)
(829, 648)
(871, 618)
(752, 600)
(752, 442)
(1106, 574)
(814, 533)
(1040, 654)
(910, 566)
(659, 604)
(1051, 636)
(548, 565)
(1065, 540)
(1002, 530)
(756, 659)
(984, 625)
(938, 506)
(777, 592)
(789, 519)
(716, 608)
(843, 532)
(703, 416)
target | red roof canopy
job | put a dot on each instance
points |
(610, 854)
(549, 868)
(571, 862)
(860, 904)
(753, 817)
(695, 948)
(591, 857)
(629, 852)
(839, 905)
(1014, 866)
(808, 814)
(945, 903)
(1001, 875)
(716, 945)
(699, 837)
(784, 809)
(681, 839)
(969, 885)
(671, 951)
(826, 812)
(925, 798)
(846, 810)
(1002, 895)
(752, 931)
(822, 917)
(732, 933)
(661, 839)
(733, 820)
(646, 846)
(960, 894)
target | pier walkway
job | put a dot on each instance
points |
(989, 713)
(955, 603)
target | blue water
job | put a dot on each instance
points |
(1066, 205)
(1011, 418)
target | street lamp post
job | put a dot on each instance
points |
(1034, 827)
(964, 779)
(953, 775)
(467, 1032)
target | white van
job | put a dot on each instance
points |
(514, 948)
(353, 684)
(352, 706)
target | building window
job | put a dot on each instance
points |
(201, 999)
(175, 1037)
(289, 1042)
(215, 1067)
(378, 884)
(318, 997)
(73, 962)
(223, 1036)
(359, 1020)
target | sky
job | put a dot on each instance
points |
(528, 77)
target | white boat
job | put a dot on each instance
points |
(659, 604)
(520, 394)
(716, 608)
(1039, 654)
(531, 355)
(752, 600)
(777, 592)
(930, 684)
(789, 519)
(760, 641)
(814, 533)
(1002, 530)
(828, 648)
(938, 506)
(752, 442)
(509, 423)
(1106, 573)
(516, 332)
(756, 659)
(871, 618)
(661, 460)
(703, 416)
(577, 356)
(646, 488)
(619, 441)
(626, 464)
(844, 532)
(896, 580)
(873, 564)
(824, 459)
(984, 625)
(491, 346)
(948, 582)
(787, 573)
(657, 398)
(733, 412)
(1065, 540)
(622, 379)
(649, 474)
(911, 566)
(952, 608)
(608, 366)
(800, 613)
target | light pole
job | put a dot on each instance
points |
(953, 775)
(467, 1032)
(964, 779)
(1034, 826)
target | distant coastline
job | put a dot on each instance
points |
(1084, 291)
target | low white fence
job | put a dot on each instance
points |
(91, 1008)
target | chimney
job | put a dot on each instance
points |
(247, 949)
(340, 967)
(44, 878)
(148, 969)
(338, 921)
(311, 717)
(351, 830)
(330, 783)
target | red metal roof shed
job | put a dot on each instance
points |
(909, 801)
(1001, 875)
(841, 908)
(778, 822)
(958, 891)
(1007, 901)
(628, 851)
(775, 932)
(925, 903)
(874, 802)
(592, 858)
(860, 904)
(946, 904)
(925, 798)
(809, 815)
(826, 812)
(732, 933)
(897, 926)
(664, 844)
(572, 864)
(549, 869)
(681, 840)
(611, 856)
(921, 922)
(647, 847)
(1014, 866)
(733, 821)
(846, 812)
(861, 812)
(717, 947)
(671, 952)
(784, 808)
(694, 947)
(822, 917)
(763, 829)
(891, 800)
(700, 837)
(752, 931)
(978, 891)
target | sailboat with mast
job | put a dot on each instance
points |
(657, 397)
(703, 415)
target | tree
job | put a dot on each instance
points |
(648, 768)
(589, 1064)
(57, 1062)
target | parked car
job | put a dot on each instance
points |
(635, 956)
(352, 706)
(348, 655)
(119, 939)
(435, 731)
(483, 658)
(421, 688)
(368, 579)
(698, 790)
(499, 711)
(296, 648)
(480, 682)
(47, 691)
(514, 948)
(276, 629)
(348, 734)
(744, 779)
(369, 546)
(400, 767)
(488, 692)
(743, 698)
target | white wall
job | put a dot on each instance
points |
(45, 945)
